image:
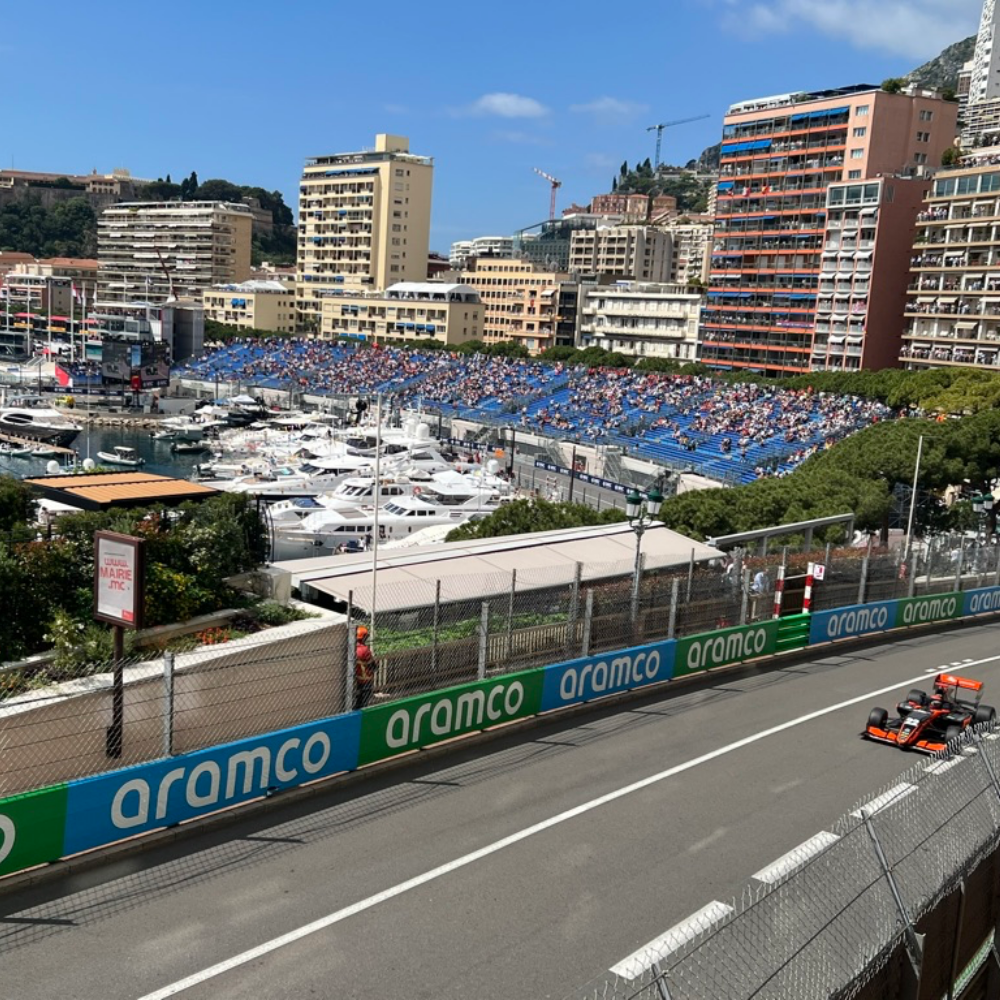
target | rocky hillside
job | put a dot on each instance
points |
(942, 71)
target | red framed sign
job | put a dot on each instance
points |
(119, 575)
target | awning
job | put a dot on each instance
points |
(836, 339)
(966, 325)
(863, 254)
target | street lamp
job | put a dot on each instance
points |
(641, 512)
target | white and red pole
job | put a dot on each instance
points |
(779, 591)
(807, 596)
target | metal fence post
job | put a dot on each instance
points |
(828, 555)
(637, 589)
(352, 640)
(959, 566)
(484, 639)
(675, 593)
(168, 704)
(437, 626)
(746, 597)
(996, 578)
(509, 644)
(690, 576)
(574, 608)
(863, 582)
(588, 621)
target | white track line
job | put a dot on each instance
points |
(515, 838)
(796, 857)
(885, 800)
(666, 944)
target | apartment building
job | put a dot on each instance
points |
(155, 251)
(638, 252)
(692, 251)
(953, 308)
(253, 305)
(37, 293)
(522, 301)
(870, 226)
(779, 157)
(481, 246)
(409, 310)
(646, 320)
(364, 223)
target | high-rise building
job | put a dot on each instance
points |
(953, 310)
(481, 246)
(984, 83)
(867, 245)
(152, 251)
(692, 250)
(364, 223)
(779, 156)
(642, 253)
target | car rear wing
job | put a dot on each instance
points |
(952, 680)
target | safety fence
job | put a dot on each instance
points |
(897, 899)
(232, 720)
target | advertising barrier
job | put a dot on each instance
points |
(44, 825)
(31, 829)
(611, 673)
(729, 645)
(109, 807)
(401, 726)
(859, 619)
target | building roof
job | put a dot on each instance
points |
(9, 256)
(82, 262)
(429, 288)
(254, 285)
(482, 568)
(103, 490)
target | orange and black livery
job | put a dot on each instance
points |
(928, 723)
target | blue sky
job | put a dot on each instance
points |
(247, 90)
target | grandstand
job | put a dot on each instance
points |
(728, 432)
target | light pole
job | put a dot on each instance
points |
(983, 505)
(641, 512)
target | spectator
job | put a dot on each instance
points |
(365, 666)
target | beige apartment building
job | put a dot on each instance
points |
(953, 306)
(692, 256)
(253, 305)
(635, 252)
(408, 310)
(155, 251)
(524, 302)
(645, 320)
(364, 223)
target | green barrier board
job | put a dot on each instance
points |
(441, 715)
(730, 645)
(31, 828)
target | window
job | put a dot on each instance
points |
(862, 110)
(927, 116)
(857, 154)
(923, 137)
(854, 175)
(920, 158)
(861, 132)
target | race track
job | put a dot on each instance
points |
(519, 869)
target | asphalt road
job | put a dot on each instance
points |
(617, 825)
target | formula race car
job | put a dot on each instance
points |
(929, 724)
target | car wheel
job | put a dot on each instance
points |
(952, 733)
(877, 718)
(918, 696)
(984, 713)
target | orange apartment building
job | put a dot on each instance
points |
(780, 155)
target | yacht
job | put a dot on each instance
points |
(32, 417)
(122, 455)
(354, 491)
(324, 532)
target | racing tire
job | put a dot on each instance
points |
(877, 719)
(984, 714)
(916, 695)
(952, 733)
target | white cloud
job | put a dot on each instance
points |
(917, 29)
(601, 162)
(507, 106)
(609, 107)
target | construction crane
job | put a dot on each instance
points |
(555, 187)
(658, 129)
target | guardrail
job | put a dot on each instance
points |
(93, 810)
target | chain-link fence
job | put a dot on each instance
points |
(894, 900)
(74, 715)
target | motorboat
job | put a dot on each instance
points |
(354, 491)
(325, 532)
(189, 447)
(31, 417)
(122, 455)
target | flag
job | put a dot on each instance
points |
(75, 291)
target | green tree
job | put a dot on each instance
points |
(17, 504)
(894, 84)
(523, 516)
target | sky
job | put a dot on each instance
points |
(247, 91)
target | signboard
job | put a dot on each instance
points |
(118, 579)
(124, 361)
(818, 571)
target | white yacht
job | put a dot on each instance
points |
(438, 503)
(32, 417)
